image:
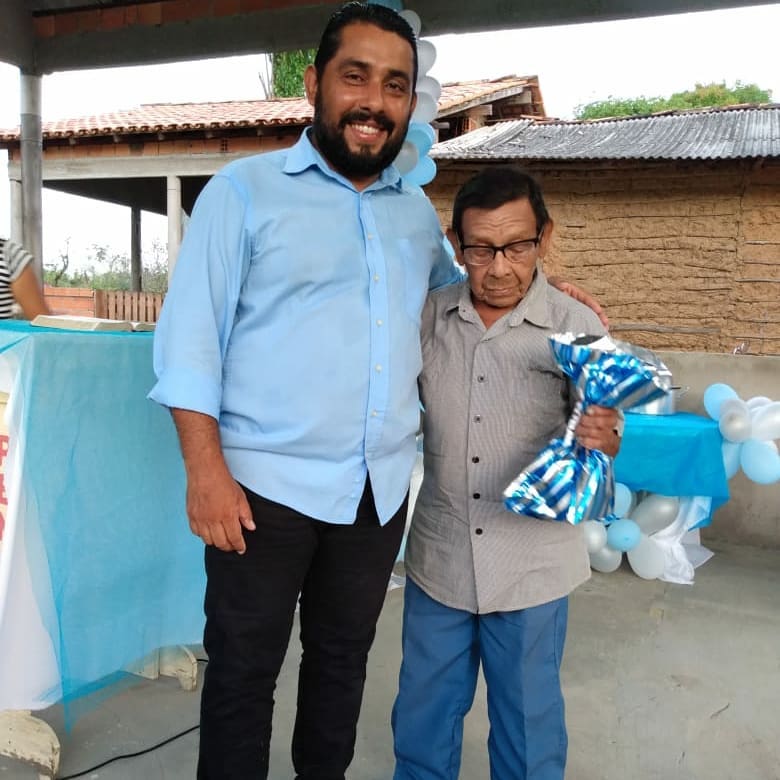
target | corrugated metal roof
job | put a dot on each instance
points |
(708, 134)
(176, 117)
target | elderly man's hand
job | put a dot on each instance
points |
(596, 430)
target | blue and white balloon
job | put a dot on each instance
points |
(731, 456)
(413, 20)
(423, 173)
(766, 421)
(606, 559)
(734, 421)
(647, 559)
(595, 534)
(407, 158)
(623, 535)
(760, 461)
(715, 395)
(624, 500)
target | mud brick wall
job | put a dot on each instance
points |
(684, 255)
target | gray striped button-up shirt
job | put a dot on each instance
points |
(493, 398)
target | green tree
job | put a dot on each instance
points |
(105, 269)
(701, 96)
(285, 73)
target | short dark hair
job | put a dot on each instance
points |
(492, 188)
(362, 13)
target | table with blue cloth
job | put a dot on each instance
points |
(98, 567)
(674, 455)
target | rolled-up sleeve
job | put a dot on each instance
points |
(197, 317)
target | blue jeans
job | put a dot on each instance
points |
(520, 653)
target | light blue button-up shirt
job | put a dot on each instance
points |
(293, 318)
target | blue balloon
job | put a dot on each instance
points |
(732, 451)
(623, 535)
(714, 396)
(760, 462)
(422, 135)
(623, 499)
(422, 173)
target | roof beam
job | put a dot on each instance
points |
(137, 33)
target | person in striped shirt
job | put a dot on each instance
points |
(19, 286)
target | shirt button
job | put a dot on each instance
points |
(475, 459)
(380, 323)
(477, 418)
(476, 495)
(369, 235)
(378, 367)
(480, 378)
(478, 532)
(376, 277)
(374, 413)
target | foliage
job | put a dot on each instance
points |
(287, 69)
(108, 270)
(701, 96)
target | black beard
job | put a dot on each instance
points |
(332, 146)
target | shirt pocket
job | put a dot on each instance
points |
(543, 397)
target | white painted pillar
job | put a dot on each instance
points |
(174, 222)
(31, 142)
(17, 212)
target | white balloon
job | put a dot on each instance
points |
(426, 108)
(595, 534)
(766, 422)
(757, 401)
(430, 86)
(625, 500)
(412, 19)
(731, 451)
(647, 559)
(426, 56)
(655, 512)
(735, 423)
(606, 560)
(407, 158)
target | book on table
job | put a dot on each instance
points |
(79, 322)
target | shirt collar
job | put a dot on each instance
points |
(534, 307)
(303, 156)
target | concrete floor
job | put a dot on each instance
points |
(662, 682)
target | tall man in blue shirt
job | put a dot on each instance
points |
(288, 351)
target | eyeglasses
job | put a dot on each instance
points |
(515, 251)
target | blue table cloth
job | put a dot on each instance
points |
(116, 571)
(674, 455)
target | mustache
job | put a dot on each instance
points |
(381, 119)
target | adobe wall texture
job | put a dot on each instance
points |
(683, 255)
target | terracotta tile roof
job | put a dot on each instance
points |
(178, 117)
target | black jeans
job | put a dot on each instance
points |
(341, 573)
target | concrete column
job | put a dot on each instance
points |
(174, 222)
(31, 160)
(17, 223)
(135, 249)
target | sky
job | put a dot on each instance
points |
(576, 64)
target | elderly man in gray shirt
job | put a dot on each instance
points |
(485, 586)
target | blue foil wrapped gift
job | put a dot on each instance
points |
(568, 481)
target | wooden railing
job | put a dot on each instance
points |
(134, 306)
